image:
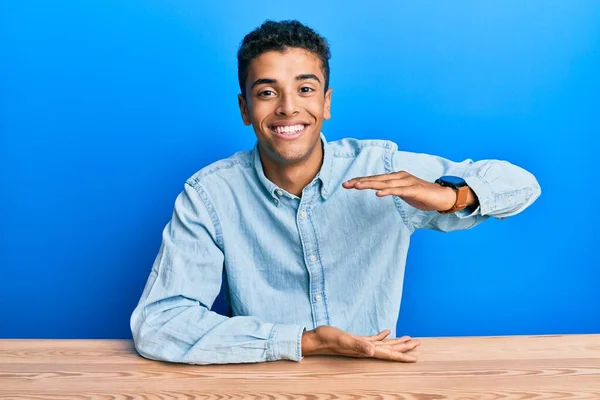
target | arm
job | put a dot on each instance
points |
(173, 322)
(502, 189)
(497, 189)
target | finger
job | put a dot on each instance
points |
(405, 347)
(388, 353)
(393, 175)
(390, 342)
(383, 177)
(371, 184)
(405, 191)
(397, 346)
(380, 336)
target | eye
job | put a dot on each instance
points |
(306, 89)
(265, 93)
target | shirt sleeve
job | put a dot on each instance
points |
(503, 189)
(173, 322)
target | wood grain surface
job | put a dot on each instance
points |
(509, 367)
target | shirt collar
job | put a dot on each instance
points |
(324, 174)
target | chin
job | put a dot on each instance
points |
(289, 156)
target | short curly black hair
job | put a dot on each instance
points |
(278, 36)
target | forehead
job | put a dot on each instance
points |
(284, 65)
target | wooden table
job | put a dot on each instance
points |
(511, 367)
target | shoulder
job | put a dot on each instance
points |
(225, 170)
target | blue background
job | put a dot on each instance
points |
(106, 107)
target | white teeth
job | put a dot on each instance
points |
(290, 129)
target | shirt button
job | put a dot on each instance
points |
(279, 192)
(276, 201)
(318, 297)
(324, 192)
(302, 214)
(313, 258)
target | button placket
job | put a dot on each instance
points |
(313, 265)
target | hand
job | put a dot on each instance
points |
(329, 340)
(421, 194)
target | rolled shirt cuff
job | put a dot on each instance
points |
(285, 343)
(484, 195)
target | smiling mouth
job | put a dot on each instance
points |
(289, 130)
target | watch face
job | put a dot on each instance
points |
(454, 181)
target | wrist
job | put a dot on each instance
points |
(462, 194)
(308, 343)
(450, 198)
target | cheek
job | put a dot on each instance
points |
(259, 111)
(316, 108)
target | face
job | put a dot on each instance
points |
(286, 104)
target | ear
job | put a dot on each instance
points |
(244, 110)
(327, 105)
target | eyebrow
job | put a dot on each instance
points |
(270, 81)
(308, 76)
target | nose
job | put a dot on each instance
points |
(287, 106)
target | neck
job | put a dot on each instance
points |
(293, 177)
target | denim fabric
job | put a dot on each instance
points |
(330, 257)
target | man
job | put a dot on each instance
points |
(312, 236)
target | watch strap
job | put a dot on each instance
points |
(462, 193)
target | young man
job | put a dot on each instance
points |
(313, 236)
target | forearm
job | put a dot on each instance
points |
(498, 189)
(180, 330)
(503, 189)
(472, 199)
(173, 321)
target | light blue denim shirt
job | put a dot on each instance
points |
(331, 257)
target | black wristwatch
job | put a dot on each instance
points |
(462, 192)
